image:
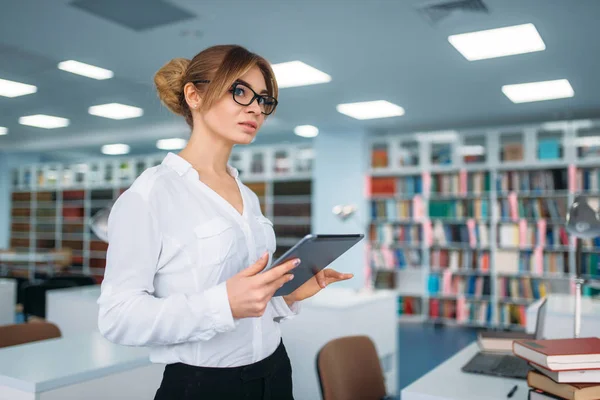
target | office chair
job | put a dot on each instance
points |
(12, 335)
(349, 369)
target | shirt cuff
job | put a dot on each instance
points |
(219, 309)
(282, 310)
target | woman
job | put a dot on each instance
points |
(188, 242)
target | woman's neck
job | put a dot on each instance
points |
(207, 153)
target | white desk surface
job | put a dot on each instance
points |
(49, 364)
(346, 298)
(448, 382)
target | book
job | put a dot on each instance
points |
(577, 376)
(568, 391)
(498, 341)
(535, 394)
(560, 354)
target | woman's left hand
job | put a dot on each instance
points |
(314, 285)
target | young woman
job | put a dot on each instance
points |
(188, 242)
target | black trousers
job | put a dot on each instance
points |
(268, 379)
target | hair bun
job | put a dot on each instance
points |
(169, 83)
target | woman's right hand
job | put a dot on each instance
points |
(249, 291)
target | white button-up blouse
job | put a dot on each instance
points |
(173, 242)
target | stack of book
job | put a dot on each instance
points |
(562, 368)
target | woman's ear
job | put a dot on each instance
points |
(192, 97)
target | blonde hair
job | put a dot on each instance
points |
(222, 65)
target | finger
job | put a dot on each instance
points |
(321, 279)
(277, 272)
(273, 286)
(344, 277)
(334, 274)
(258, 266)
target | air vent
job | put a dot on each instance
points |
(434, 13)
(138, 15)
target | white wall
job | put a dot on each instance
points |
(341, 161)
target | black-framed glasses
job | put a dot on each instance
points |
(244, 95)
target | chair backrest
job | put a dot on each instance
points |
(349, 368)
(12, 335)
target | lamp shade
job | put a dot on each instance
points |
(99, 222)
(582, 221)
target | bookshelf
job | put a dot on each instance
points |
(52, 203)
(469, 226)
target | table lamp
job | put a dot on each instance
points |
(99, 222)
(583, 222)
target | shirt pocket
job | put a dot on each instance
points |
(215, 241)
(266, 240)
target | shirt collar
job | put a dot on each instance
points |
(181, 166)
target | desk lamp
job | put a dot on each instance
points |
(583, 223)
(99, 222)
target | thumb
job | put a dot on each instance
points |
(258, 266)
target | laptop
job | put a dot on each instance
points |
(506, 365)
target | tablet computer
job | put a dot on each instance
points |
(315, 253)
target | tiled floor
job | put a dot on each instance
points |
(424, 346)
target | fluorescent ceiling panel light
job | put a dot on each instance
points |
(3, 130)
(171, 144)
(15, 89)
(44, 121)
(307, 131)
(115, 149)
(297, 73)
(90, 71)
(501, 42)
(370, 109)
(538, 91)
(116, 111)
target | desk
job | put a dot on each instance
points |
(560, 312)
(74, 310)
(8, 294)
(336, 312)
(83, 366)
(448, 382)
(332, 313)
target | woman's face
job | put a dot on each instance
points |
(234, 122)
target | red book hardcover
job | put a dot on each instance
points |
(560, 354)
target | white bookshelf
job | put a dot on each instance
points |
(53, 202)
(422, 154)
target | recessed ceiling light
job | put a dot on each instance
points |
(44, 121)
(15, 89)
(297, 73)
(171, 144)
(90, 71)
(492, 43)
(538, 91)
(116, 111)
(307, 131)
(115, 149)
(371, 109)
(3, 130)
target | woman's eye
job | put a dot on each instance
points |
(238, 91)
